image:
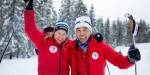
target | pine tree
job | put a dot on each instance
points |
(119, 32)
(125, 33)
(45, 13)
(99, 27)
(65, 10)
(92, 16)
(142, 32)
(12, 29)
(114, 33)
(1, 16)
(148, 33)
(1, 24)
(80, 8)
(107, 31)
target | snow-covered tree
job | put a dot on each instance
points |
(148, 33)
(114, 33)
(92, 16)
(12, 39)
(125, 33)
(107, 31)
(119, 32)
(99, 27)
(80, 8)
(45, 13)
(142, 32)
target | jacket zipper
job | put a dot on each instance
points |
(60, 60)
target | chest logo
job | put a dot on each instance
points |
(95, 55)
(53, 49)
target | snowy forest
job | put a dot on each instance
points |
(15, 44)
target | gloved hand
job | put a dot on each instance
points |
(26, 1)
(134, 54)
(30, 4)
(98, 37)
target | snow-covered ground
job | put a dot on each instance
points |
(29, 66)
(26, 66)
(143, 66)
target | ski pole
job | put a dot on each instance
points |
(6, 47)
(134, 31)
(133, 39)
(108, 69)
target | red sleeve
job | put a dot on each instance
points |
(30, 27)
(116, 58)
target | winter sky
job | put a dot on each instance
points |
(117, 8)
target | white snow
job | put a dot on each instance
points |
(28, 66)
(143, 66)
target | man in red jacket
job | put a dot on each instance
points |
(91, 55)
(54, 54)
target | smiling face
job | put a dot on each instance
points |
(60, 36)
(83, 33)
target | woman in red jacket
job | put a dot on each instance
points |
(91, 55)
(54, 54)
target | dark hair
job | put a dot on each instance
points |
(49, 29)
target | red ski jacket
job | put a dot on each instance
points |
(53, 58)
(93, 62)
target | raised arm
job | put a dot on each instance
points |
(30, 25)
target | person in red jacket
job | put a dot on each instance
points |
(54, 54)
(48, 31)
(91, 55)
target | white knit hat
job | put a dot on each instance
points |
(83, 21)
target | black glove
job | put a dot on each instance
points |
(134, 54)
(26, 1)
(36, 51)
(30, 4)
(98, 37)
